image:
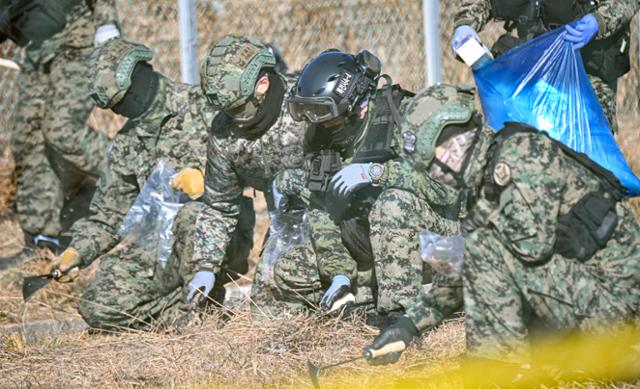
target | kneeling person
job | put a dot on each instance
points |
(551, 240)
(167, 122)
(377, 133)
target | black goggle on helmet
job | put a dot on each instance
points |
(333, 84)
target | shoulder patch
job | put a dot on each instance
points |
(502, 174)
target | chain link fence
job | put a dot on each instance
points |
(391, 29)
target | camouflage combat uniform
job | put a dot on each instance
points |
(233, 163)
(241, 155)
(521, 188)
(407, 202)
(131, 289)
(612, 16)
(302, 273)
(53, 147)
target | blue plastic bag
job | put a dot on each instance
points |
(543, 83)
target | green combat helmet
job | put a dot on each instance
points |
(231, 70)
(428, 114)
(113, 64)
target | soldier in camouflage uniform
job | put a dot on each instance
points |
(549, 240)
(53, 147)
(167, 122)
(375, 132)
(602, 33)
(250, 140)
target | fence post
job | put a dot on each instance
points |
(188, 41)
(431, 27)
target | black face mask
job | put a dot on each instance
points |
(268, 112)
(343, 135)
(141, 93)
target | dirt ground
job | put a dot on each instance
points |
(224, 352)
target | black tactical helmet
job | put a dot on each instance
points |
(333, 84)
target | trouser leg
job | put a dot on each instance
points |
(39, 196)
(396, 220)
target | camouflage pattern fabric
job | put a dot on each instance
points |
(396, 220)
(300, 275)
(234, 162)
(231, 69)
(113, 64)
(413, 202)
(131, 290)
(174, 130)
(503, 293)
(611, 14)
(53, 147)
(409, 203)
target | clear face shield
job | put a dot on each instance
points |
(451, 157)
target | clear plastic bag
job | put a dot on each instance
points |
(445, 254)
(544, 83)
(148, 223)
(288, 228)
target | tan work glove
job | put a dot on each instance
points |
(189, 181)
(67, 264)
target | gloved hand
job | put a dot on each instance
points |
(350, 178)
(190, 181)
(67, 264)
(104, 33)
(392, 341)
(459, 34)
(337, 295)
(200, 286)
(581, 33)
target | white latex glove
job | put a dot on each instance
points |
(104, 33)
(350, 178)
(200, 286)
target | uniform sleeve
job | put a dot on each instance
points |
(402, 174)
(473, 13)
(217, 221)
(613, 14)
(332, 255)
(527, 172)
(116, 191)
(437, 303)
(104, 11)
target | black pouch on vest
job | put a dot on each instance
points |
(587, 227)
(36, 21)
(323, 167)
(505, 43)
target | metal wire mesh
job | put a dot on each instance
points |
(391, 29)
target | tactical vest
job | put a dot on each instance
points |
(376, 145)
(590, 223)
(352, 216)
(605, 58)
(35, 21)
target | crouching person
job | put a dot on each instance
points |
(367, 192)
(167, 122)
(551, 241)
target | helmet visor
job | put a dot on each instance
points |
(312, 109)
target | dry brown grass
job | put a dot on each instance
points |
(232, 353)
